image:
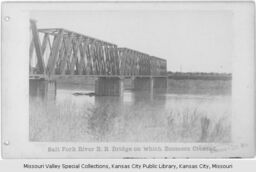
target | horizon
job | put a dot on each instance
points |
(201, 72)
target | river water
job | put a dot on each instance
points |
(134, 117)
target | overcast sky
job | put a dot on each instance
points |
(190, 41)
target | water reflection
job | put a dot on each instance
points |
(156, 98)
(108, 100)
(137, 116)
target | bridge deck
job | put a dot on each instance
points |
(53, 77)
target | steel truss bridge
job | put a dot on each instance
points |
(62, 52)
(58, 52)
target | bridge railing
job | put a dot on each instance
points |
(63, 52)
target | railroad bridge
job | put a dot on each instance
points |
(58, 52)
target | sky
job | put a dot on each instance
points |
(190, 41)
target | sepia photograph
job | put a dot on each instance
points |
(134, 76)
(173, 77)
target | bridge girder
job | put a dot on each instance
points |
(63, 52)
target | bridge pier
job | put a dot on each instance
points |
(42, 88)
(109, 86)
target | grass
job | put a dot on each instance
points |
(192, 125)
(112, 122)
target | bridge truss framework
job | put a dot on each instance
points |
(62, 53)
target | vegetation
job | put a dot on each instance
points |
(193, 125)
(194, 110)
(110, 122)
(199, 76)
(200, 87)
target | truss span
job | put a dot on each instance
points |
(59, 51)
